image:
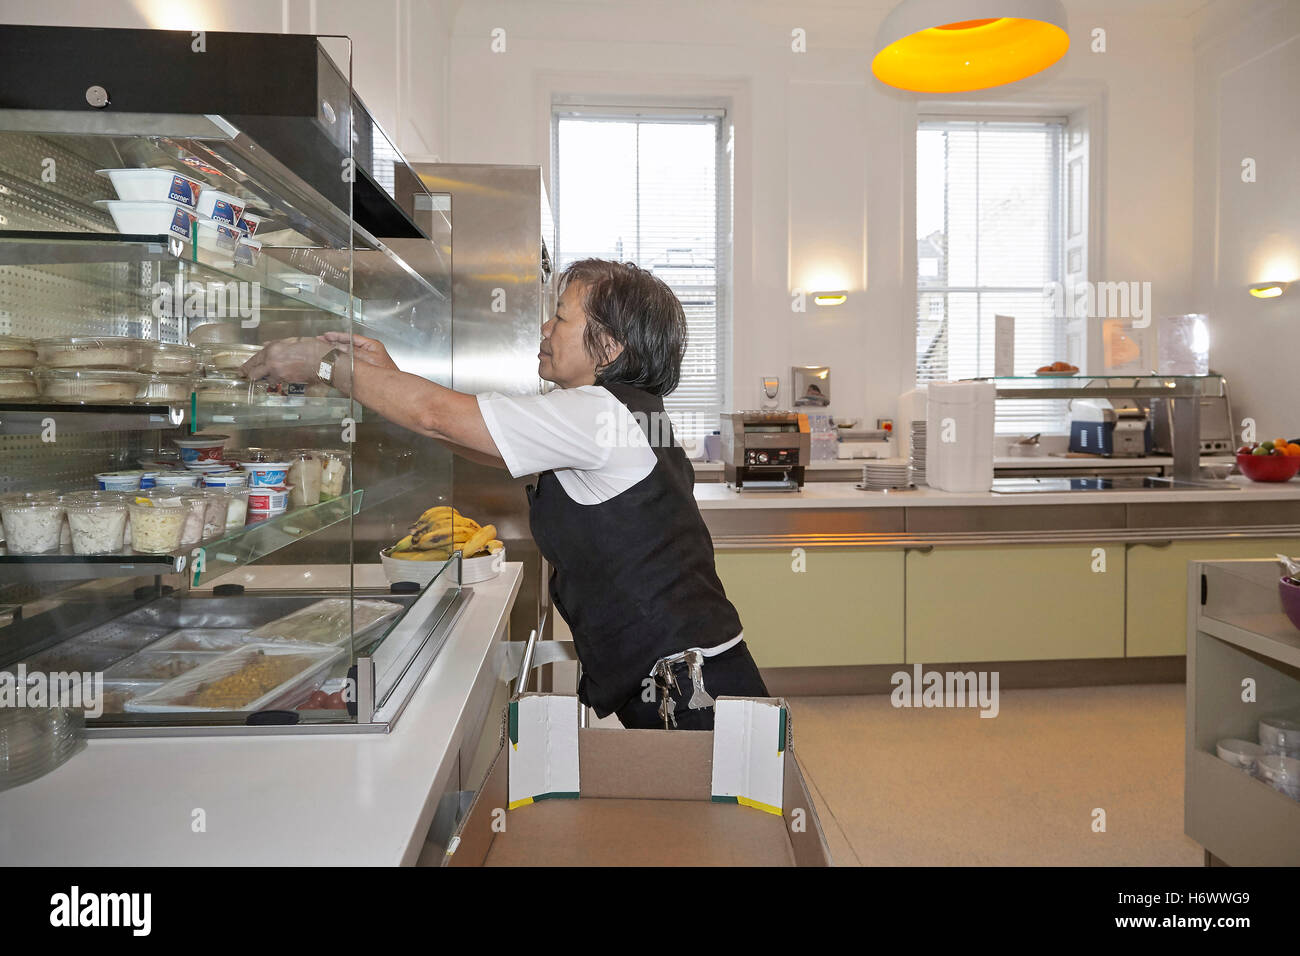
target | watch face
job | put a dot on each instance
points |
(326, 371)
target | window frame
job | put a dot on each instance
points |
(668, 109)
(1083, 101)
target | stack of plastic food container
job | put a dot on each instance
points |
(35, 740)
(268, 481)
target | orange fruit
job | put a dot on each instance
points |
(1292, 450)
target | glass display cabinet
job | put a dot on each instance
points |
(209, 546)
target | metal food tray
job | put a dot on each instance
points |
(320, 658)
(270, 631)
(209, 639)
(139, 667)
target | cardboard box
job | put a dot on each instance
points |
(560, 795)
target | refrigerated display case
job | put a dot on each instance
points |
(169, 202)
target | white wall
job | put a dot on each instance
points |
(398, 46)
(823, 152)
(1247, 96)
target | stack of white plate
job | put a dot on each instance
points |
(886, 473)
(35, 740)
(918, 451)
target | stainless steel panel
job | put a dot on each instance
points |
(1213, 513)
(502, 292)
(1015, 518)
(803, 521)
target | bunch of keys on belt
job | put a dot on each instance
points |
(666, 681)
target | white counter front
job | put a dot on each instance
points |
(839, 494)
(353, 799)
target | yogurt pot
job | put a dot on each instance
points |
(119, 480)
(266, 474)
(177, 479)
(220, 206)
(150, 185)
(257, 517)
(262, 498)
(200, 448)
(226, 480)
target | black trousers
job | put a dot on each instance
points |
(732, 673)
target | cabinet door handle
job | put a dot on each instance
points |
(919, 548)
(1151, 544)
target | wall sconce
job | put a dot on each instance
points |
(830, 298)
(1268, 290)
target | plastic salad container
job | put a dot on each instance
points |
(89, 386)
(101, 351)
(304, 478)
(17, 383)
(32, 526)
(227, 357)
(157, 522)
(17, 352)
(98, 526)
(168, 388)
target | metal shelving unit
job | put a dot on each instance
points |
(1236, 631)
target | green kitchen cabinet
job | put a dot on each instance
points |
(844, 607)
(1015, 603)
(1157, 587)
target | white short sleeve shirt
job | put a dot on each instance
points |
(585, 435)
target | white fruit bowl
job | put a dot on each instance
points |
(472, 570)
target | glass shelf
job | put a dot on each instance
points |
(219, 555)
(255, 541)
(29, 417)
(296, 277)
(314, 411)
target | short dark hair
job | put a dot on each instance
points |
(635, 308)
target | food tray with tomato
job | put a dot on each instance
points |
(253, 677)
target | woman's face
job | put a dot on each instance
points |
(563, 357)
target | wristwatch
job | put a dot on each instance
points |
(325, 372)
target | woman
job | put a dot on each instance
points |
(613, 509)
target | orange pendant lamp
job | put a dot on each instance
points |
(953, 46)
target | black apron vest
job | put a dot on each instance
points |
(634, 576)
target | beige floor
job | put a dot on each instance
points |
(909, 787)
(947, 787)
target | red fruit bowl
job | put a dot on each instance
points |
(1269, 467)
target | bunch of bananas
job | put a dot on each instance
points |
(440, 531)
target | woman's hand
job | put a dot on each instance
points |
(370, 351)
(287, 360)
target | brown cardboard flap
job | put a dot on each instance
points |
(809, 846)
(646, 764)
(476, 833)
(589, 832)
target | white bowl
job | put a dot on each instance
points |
(1278, 735)
(223, 207)
(1281, 773)
(1240, 753)
(154, 185)
(137, 218)
(472, 570)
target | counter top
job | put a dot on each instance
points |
(283, 800)
(838, 494)
(1002, 461)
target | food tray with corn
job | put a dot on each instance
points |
(253, 677)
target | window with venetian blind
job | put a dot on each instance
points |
(989, 239)
(653, 187)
